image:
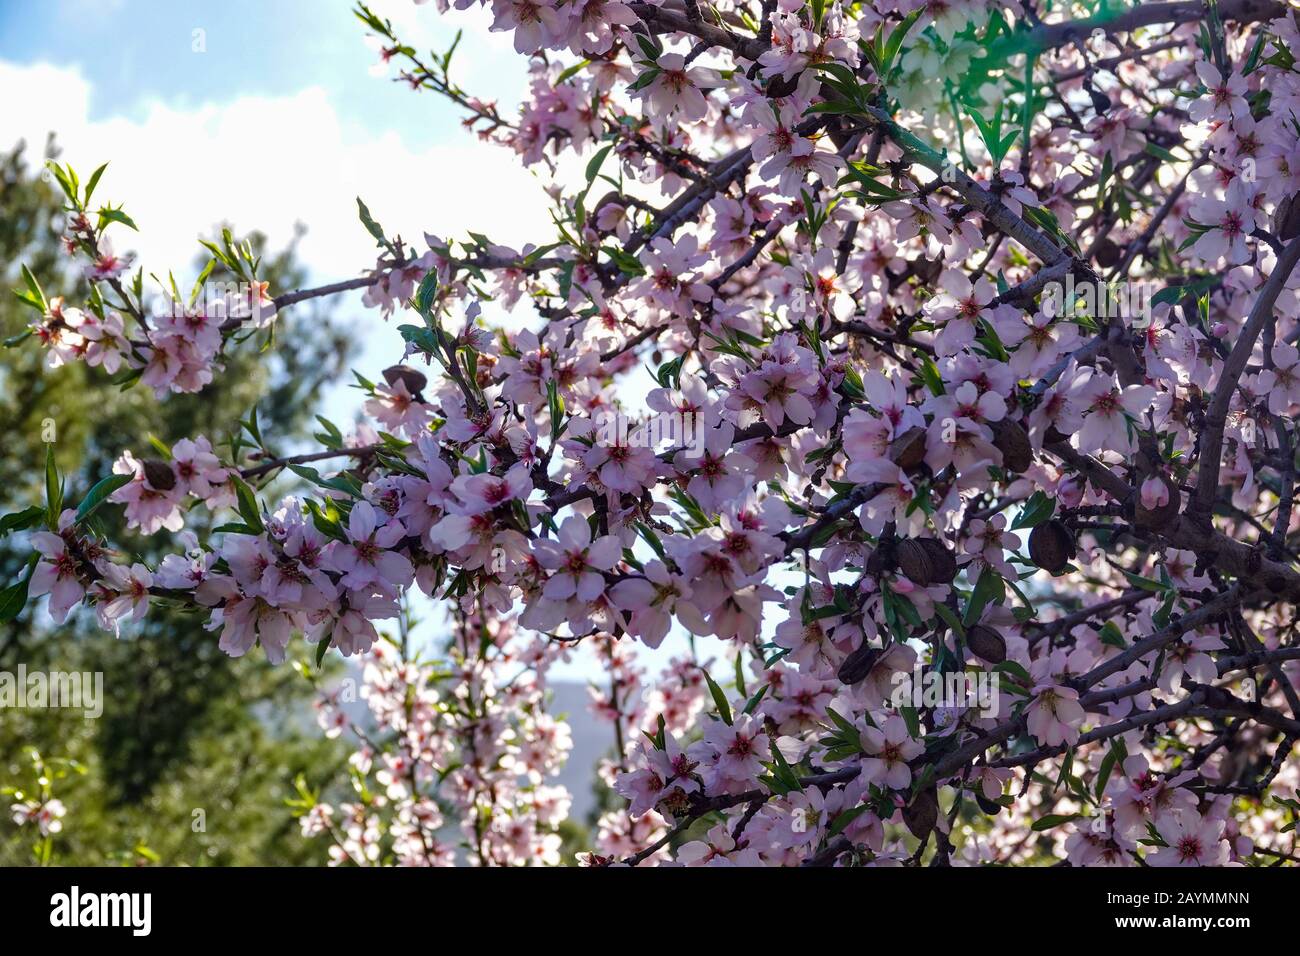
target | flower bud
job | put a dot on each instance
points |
(1069, 493)
(1158, 502)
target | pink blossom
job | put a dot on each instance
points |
(1054, 715)
(888, 749)
(367, 556)
(577, 562)
(1192, 840)
(58, 575)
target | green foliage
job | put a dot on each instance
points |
(184, 728)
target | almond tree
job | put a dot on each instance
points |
(874, 251)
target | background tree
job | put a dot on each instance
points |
(184, 727)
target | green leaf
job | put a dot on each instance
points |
(425, 293)
(896, 38)
(842, 820)
(863, 174)
(627, 264)
(14, 598)
(326, 524)
(1015, 670)
(650, 46)
(65, 180)
(754, 701)
(784, 772)
(988, 589)
(94, 181)
(571, 72)
(593, 167)
(1054, 820)
(1037, 509)
(818, 9)
(847, 730)
(555, 406)
(1111, 634)
(644, 80)
(114, 214)
(1160, 152)
(34, 288)
(160, 446)
(719, 698)
(950, 618)
(422, 338)
(931, 377)
(913, 721)
(344, 483)
(1103, 774)
(368, 221)
(99, 493)
(234, 528)
(1046, 220)
(248, 509)
(53, 490)
(651, 538)
(1146, 584)
(21, 520)
(1169, 294)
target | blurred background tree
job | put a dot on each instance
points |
(184, 728)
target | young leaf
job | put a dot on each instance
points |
(248, 509)
(719, 699)
(99, 493)
(53, 490)
(1037, 509)
(21, 520)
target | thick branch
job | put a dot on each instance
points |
(1207, 476)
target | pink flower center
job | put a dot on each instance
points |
(1189, 848)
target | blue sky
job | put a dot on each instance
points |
(137, 51)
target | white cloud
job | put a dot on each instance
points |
(266, 163)
(419, 26)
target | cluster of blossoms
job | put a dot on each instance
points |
(179, 347)
(37, 808)
(675, 700)
(462, 737)
(71, 334)
(181, 350)
(915, 466)
(158, 490)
